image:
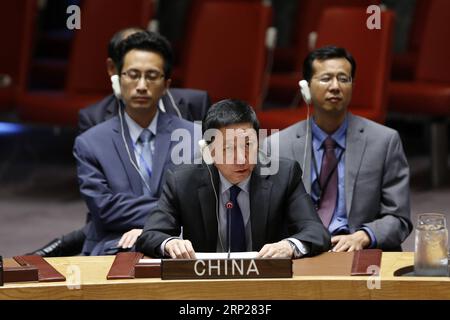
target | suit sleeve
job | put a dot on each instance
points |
(303, 222)
(394, 224)
(163, 222)
(115, 212)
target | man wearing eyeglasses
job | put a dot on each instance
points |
(354, 169)
(190, 104)
(121, 162)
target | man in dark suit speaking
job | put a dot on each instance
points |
(228, 202)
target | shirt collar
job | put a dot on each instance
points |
(319, 135)
(136, 130)
(225, 184)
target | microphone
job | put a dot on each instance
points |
(206, 154)
(229, 206)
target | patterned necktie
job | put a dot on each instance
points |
(237, 237)
(328, 180)
(145, 158)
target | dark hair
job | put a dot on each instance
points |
(227, 112)
(116, 39)
(326, 53)
(147, 41)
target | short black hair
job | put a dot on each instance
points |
(228, 112)
(147, 41)
(115, 41)
(326, 53)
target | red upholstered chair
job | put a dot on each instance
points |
(17, 20)
(226, 52)
(346, 27)
(283, 83)
(428, 95)
(87, 80)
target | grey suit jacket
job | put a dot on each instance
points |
(279, 208)
(376, 176)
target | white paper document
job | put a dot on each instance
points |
(213, 256)
(224, 255)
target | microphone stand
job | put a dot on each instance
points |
(229, 206)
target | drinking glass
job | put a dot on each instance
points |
(431, 246)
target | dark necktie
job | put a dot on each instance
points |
(145, 158)
(328, 180)
(237, 233)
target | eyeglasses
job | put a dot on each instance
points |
(328, 78)
(150, 77)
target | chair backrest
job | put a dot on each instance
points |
(308, 17)
(100, 19)
(372, 50)
(226, 53)
(17, 22)
(433, 62)
(418, 24)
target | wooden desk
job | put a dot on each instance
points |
(94, 285)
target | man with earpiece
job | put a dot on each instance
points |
(228, 203)
(122, 161)
(190, 104)
(354, 169)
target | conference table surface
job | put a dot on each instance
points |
(86, 279)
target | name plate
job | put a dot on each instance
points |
(177, 269)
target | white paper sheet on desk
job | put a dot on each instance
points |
(154, 261)
(213, 256)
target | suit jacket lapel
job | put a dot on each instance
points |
(355, 147)
(133, 175)
(162, 148)
(209, 207)
(299, 153)
(260, 188)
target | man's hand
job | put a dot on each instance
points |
(129, 238)
(280, 249)
(352, 242)
(179, 249)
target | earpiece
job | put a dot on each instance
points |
(206, 154)
(306, 94)
(304, 89)
(161, 106)
(172, 100)
(116, 86)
